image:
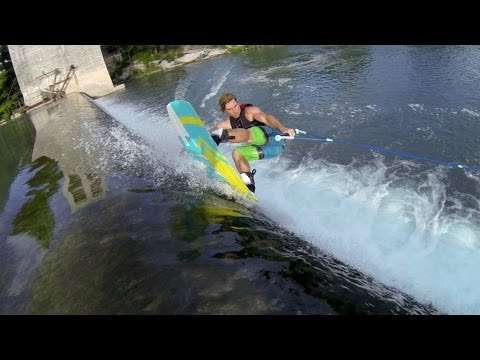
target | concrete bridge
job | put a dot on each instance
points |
(46, 72)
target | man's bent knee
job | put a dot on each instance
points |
(249, 152)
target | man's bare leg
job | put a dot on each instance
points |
(243, 168)
(239, 135)
(240, 162)
(231, 135)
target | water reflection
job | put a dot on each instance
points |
(142, 268)
(57, 129)
(16, 145)
(35, 216)
(200, 217)
(83, 189)
(313, 276)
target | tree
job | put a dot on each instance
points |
(9, 89)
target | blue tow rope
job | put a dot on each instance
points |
(375, 148)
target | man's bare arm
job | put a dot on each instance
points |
(225, 124)
(271, 121)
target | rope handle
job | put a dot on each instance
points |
(286, 136)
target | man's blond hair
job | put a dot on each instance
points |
(225, 99)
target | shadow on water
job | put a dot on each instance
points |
(16, 145)
(316, 274)
(35, 216)
(157, 263)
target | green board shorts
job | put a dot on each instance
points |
(263, 145)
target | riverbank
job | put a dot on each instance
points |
(187, 55)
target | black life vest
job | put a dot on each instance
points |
(242, 122)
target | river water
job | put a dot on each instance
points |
(100, 213)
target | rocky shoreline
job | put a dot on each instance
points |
(190, 54)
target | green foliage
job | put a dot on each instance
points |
(138, 72)
(5, 105)
(151, 67)
(8, 85)
(237, 49)
(169, 57)
(5, 111)
(120, 65)
(173, 55)
(146, 56)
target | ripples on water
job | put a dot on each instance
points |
(128, 221)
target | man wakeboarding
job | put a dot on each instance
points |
(247, 123)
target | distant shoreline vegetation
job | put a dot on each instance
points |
(9, 89)
(127, 62)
